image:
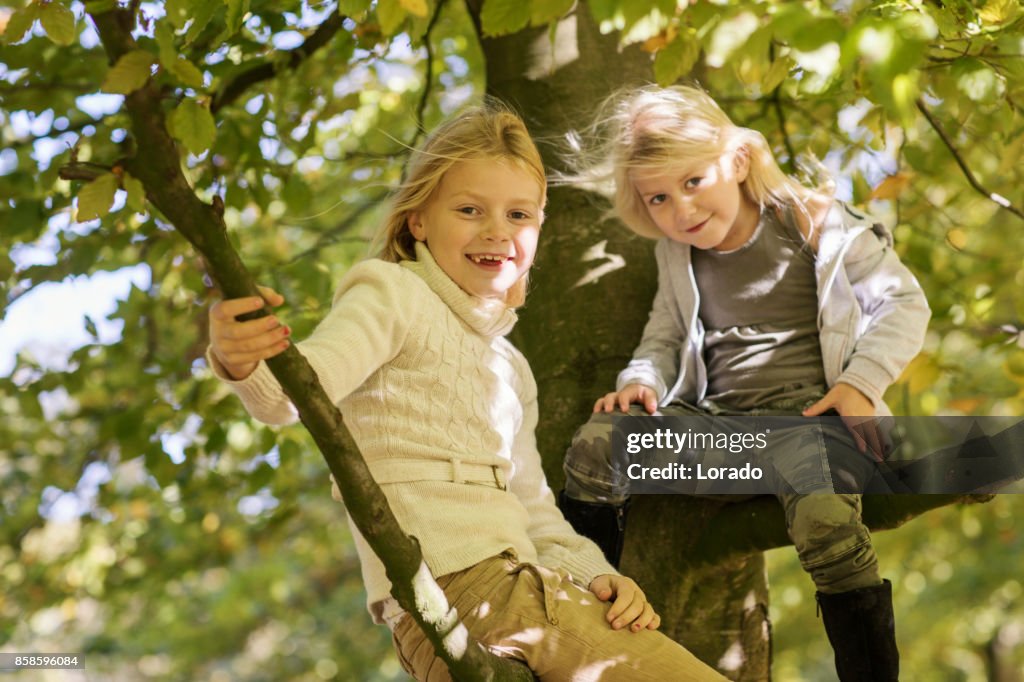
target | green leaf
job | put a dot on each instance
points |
(776, 74)
(202, 13)
(416, 8)
(193, 125)
(165, 44)
(354, 8)
(676, 59)
(390, 14)
(96, 198)
(136, 193)
(237, 9)
(178, 12)
(187, 73)
(58, 22)
(129, 73)
(20, 23)
(504, 16)
(545, 11)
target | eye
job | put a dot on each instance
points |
(693, 183)
(468, 210)
(657, 199)
(518, 215)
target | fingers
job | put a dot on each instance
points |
(630, 608)
(241, 345)
(601, 587)
(649, 400)
(270, 296)
(233, 307)
(250, 341)
(634, 393)
(817, 408)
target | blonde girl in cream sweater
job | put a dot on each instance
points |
(443, 409)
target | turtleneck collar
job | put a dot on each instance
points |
(486, 316)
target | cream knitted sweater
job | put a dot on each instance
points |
(433, 393)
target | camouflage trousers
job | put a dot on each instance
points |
(832, 542)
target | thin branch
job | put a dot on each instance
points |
(428, 75)
(268, 69)
(998, 199)
(83, 170)
(781, 115)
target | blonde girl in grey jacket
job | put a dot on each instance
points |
(772, 299)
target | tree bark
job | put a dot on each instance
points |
(699, 561)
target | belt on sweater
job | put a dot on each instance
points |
(453, 470)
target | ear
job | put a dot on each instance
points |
(415, 223)
(741, 162)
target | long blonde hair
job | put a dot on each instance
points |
(653, 127)
(488, 131)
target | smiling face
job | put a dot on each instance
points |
(482, 224)
(702, 205)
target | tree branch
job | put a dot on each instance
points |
(157, 165)
(998, 199)
(781, 115)
(268, 69)
(83, 170)
(428, 75)
(736, 528)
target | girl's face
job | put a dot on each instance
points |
(482, 225)
(702, 205)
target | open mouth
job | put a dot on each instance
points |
(489, 260)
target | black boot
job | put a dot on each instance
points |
(603, 523)
(862, 630)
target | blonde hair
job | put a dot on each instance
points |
(653, 127)
(488, 131)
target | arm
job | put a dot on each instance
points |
(895, 315)
(557, 544)
(655, 362)
(365, 328)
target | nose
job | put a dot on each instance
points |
(683, 207)
(495, 229)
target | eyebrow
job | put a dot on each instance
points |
(481, 197)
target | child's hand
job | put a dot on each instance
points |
(630, 605)
(633, 393)
(858, 413)
(239, 346)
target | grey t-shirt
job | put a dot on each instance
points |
(759, 306)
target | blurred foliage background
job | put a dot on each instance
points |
(147, 521)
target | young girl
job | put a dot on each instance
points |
(772, 299)
(443, 409)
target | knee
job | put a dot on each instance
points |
(590, 470)
(824, 527)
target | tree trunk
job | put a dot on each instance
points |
(579, 335)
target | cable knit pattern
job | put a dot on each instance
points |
(423, 375)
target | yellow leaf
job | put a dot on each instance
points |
(416, 7)
(892, 187)
(957, 238)
(999, 11)
(921, 374)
